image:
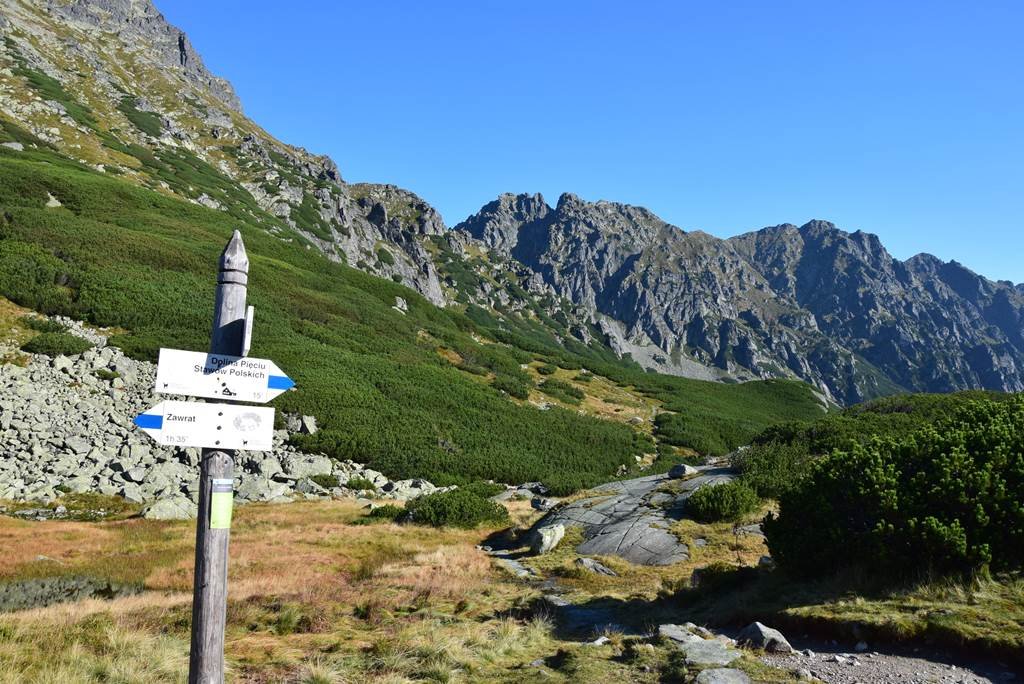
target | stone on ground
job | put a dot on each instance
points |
(759, 635)
(595, 567)
(174, 508)
(708, 652)
(545, 539)
(725, 675)
(682, 470)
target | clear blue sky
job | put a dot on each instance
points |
(904, 119)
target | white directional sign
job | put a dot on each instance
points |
(218, 376)
(216, 426)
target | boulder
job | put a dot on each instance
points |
(677, 634)
(759, 635)
(595, 567)
(404, 490)
(722, 675)
(307, 425)
(708, 652)
(172, 508)
(307, 465)
(682, 470)
(545, 539)
(540, 503)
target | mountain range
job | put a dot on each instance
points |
(114, 86)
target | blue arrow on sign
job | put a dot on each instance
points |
(219, 376)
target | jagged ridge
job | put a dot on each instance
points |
(814, 302)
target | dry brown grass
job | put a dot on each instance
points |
(312, 598)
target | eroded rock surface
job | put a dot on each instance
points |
(631, 518)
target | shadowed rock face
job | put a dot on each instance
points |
(812, 302)
(630, 519)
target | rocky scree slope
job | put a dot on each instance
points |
(66, 426)
(816, 303)
(112, 84)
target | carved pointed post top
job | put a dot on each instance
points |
(234, 262)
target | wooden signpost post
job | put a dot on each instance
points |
(224, 373)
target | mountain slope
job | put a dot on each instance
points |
(394, 381)
(112, 84)
(816, 303)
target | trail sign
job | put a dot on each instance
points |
(216, 426)
(219, 376)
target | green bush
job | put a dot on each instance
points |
(584, 377)
(946, 499)
(547, 369)
(360, 483)
(772, 469)
(514, 386)
(722, 503)
(561, 390)
(381, 514)
(42, 324)
(482, 488)
(456, 508)
(386, 512)
(385, 257)
(325, 480)
(56, 344)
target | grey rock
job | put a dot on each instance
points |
(545, 539)
(307, 486)
(682, 470)
(175, 508)
(307, 425)
(540, 503)
(722, 676)
(707, 652)
(136, 474)
(307, 465)
(678, 634)
(759, 635)
(631, 518)
(595, 567)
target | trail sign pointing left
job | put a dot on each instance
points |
(216, 426)
(219, 376)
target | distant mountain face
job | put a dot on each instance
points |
(112, 84)
(814, 302)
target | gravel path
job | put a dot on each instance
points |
(831, 664)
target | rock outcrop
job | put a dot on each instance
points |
(632, 518)
(816, 303)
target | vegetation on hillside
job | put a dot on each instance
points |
(118, 255)
(948, 498)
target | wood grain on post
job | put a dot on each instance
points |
(210, 589)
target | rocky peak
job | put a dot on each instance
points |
(139, 23)
(497, 224)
